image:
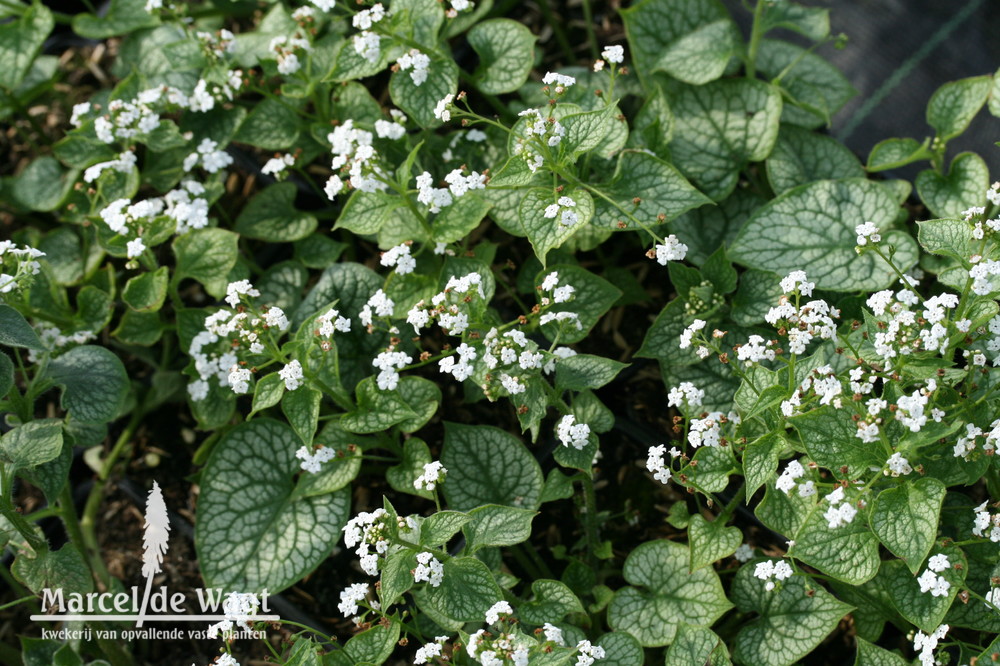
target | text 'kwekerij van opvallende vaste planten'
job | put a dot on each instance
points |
(498, 333)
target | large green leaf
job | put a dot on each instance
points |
(873, 655)
(817, 89)
(546, 233)
(812, 22)
(801, 156)
(506, 54)
(41, 186)
(487, 465)
(122, 17)
(661, 190)
(94, 383)
(466, 592)
(15, 331)
(830, 439)
(63, 569)
(669, 595)
(586, 371)
(922, 608)
(953, 106)
(848, 553)
(794, 619)
(963, 187)
(20, 42)
(147, 291)
(366, 212)
(697, 645)
(206, 255)
(552, 602)
(496, 525)
(273, 124)
(271, 216)
(905, 518)
(692, 40)
(720, 127)
(253, 530)
(711, 541)
(811, 228)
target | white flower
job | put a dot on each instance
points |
(434, 473)
(493, 614)
(793, 471)
(399, 257)
(670, 250)
(686, 394)
(615, 54)
(429, 570)
(553, 633)
(441, 111)
(275, 317)
(938, 563)
(571, 433)
(416, 61)
(292, 375)
(277, 165)
(744, 553)
(429, 650)
(367, 45)
(312, 461)
(134, 248)
(796, 280)
(350, 597)
(239, 379)
(898, 465)
(561, 80)
(867, 232)
(588, 653)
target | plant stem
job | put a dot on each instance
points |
(755, 34)
(590, 518)
(588, 17)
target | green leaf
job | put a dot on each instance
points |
(366, 212)
(139, 328)
(711, 541)
(873, 655)
(621, 649)
(830, 439)
(464, 214)
(251, 533)
(549, 233)
(20, 41)
(894, 153)
(811, 228)
(418, 102)
(147, 291)
(585, 371)
(15, 331)
(271, 216)
(720, 128)
(811, 22)
(697, 645)
(848, 553)
(122, 17)
(41, 186)
(953, 106)
(32, 443)
(506, 52)
(708, 228)
(301, 408)
(271, 125)
(949, 238)
(670, 595)
(692, 40)
(374, 645)
(921, 608)
(438, 529)
(466, 592)
(51, 477)
(587, 130)
(801, 156)
(662, 190)
(964, 186)
(792, 622)
(553, 600)
(487, 465)
(594, 296)
(206, 255)
(6, 374)
(336, 473)
(496, 525)
(760, 461)
(413, 402)
(905, 518)
(94, 383)
(267, 392)
(814, 89)
(62, 569)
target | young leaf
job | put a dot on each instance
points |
(585, 371)
(549, 233)
(250, 534)
(206, 255)
(894, 153)
(553, 600)
(711, 541)
(496, 525)
(147, 291)
(953, 106)
(964, 186)
(669, 596)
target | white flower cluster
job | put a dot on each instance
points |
(416, 61)
(898, 465)
(769, 569)
(388, 362)
(539, 130)
(559, 81)
(124, 163)
(330, 322)
(366, 43)
(671, 249)
(237, 608)
(685, 395)
(566, 205)
(687, 338)
(756, 350)
(367, 530)
(400, 258)
(436, 198)
(656, 464)
(571, 433)
(840, 512)
(984, 521)
(512, 351)
(286, 50)
(356, 157)
(434, 473)
(463, 368)
(910, 408)
(927, 644)
(555, 294)
(54, 340)
(219, 43)
(588, 653)
(930, 581)
(378, 305)
(276, 165)
(450, 306)
(350, 597)
(291, 374)
(614, 54)
(982, 274)
(905, 332)
(312, 461)
(442, 109)
(793, 472)
(867, 233)
(232, 332)
(394, 129)
(209, 155)
(23, 263)
(814, 320)
(429, 651)
(706, 431)
(428, 570)
(553, 633)
(129, 219)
